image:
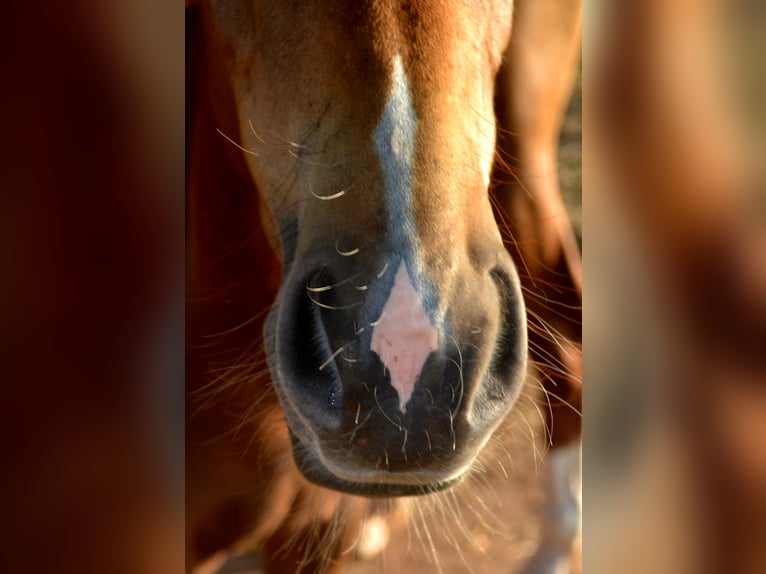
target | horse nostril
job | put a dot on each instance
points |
(308, 345)
(511, 334)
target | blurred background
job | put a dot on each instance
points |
(91, 286)
(674, 291)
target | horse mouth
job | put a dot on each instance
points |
(314, 470)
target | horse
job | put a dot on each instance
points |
(376, 245)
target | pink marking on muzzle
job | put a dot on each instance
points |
(404, 337)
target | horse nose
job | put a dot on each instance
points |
(382, 370)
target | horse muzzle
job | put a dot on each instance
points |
(393, 377)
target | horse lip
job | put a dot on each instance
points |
(315, 471)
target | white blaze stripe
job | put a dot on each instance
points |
(394, 138)
(404, 337)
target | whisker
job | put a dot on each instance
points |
(345, 253)
(299, 157)
(563, 402)
(460, 372)
(341, 193)
(431, 545)
(334, 307)
(252, 129)
(382, 271)
(329, 360)
(334, 285)
(397, 424)
(358, 425)
(231, 141)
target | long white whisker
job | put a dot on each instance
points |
(334, 285)
(345, 253)
(334, 307)
(244, 149)
(341, 193)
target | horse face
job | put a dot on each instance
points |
(397, 342)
